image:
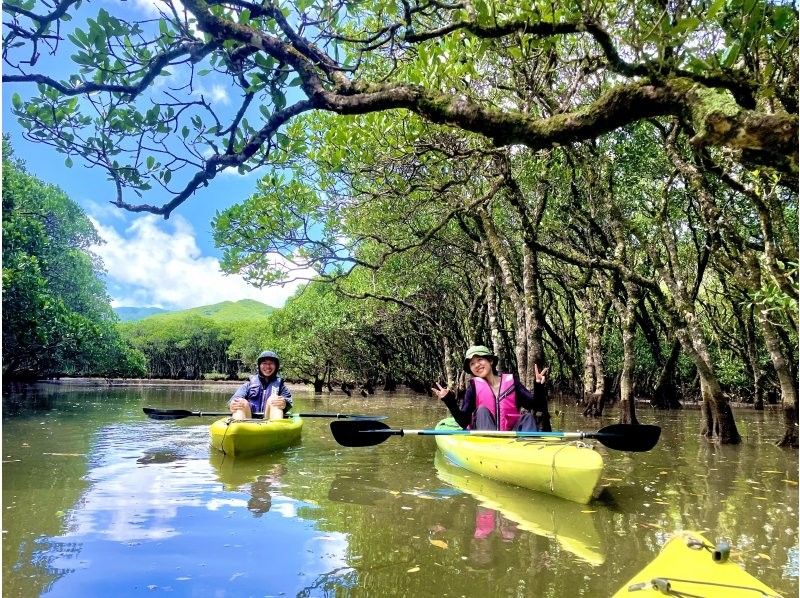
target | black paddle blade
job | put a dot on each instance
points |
(636, 438)
(153, 413)
(360, 432)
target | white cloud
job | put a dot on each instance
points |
(218, 94)
(158, 263)
(104, 210)
(154, 8)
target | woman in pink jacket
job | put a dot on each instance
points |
(495, 401)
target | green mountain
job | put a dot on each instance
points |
(227, 311)
(131, 314)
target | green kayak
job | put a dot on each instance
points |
(242, 438)
(560, 468)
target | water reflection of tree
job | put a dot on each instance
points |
(332, 583)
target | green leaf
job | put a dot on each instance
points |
(185, 132)
(781, 17)
(68, 162)
(150, 162)
(686, 25)
(715, 7)
(167, 176)
(16, 100)
(730, 54)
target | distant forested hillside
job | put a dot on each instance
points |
(227, 311)
(197, 343)
(132, 314)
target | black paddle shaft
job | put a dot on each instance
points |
(167, 414)
(620, 437)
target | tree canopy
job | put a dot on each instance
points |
(56, 314)
(539, 74)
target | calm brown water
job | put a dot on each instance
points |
(100, 501)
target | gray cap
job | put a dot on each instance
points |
(269, 355)
(478, 351)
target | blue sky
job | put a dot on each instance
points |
(149, 261)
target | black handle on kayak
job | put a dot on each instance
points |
(163, 414)
(620, 437)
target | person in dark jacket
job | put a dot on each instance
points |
(263, 390)
(496, 401)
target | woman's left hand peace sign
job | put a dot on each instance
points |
(440, 391)
(540, 375)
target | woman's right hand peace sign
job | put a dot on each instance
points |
(440, 391)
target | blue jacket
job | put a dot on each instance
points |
(257, 391)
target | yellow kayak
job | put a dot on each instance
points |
(564, 469)
(547, 516)
(249, 437)
(690, 565)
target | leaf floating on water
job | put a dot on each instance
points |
(413, 570)
(760, 498)
(612, 479)
(792, 482)
(761, 555)
(663, 473)
(589, 511)
(771, 471)
(439, 543)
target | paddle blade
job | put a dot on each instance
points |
(360, 432)
(636, 438)
(153, 413)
